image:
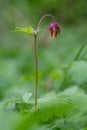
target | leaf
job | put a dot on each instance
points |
(26, 97)
(67, 105)
(22, 107)
(77, 72)
(79, 99)
(28, 30)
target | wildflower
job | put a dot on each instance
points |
(54, 29)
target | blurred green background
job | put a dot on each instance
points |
(16, 49)
(17, 62)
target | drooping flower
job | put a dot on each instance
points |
(54, 29)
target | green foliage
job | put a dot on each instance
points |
(60, 110)
(28, 30)
(77, 72)
(64, 111)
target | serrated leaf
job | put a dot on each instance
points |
(67, 105)
(28, 30)
(77, 72)
(26, 97)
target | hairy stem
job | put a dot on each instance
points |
(35, 51)
(79, 52)
(36, 63)
(43, 17)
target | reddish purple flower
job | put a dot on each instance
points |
(54, 29)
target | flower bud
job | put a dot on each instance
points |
(54, 29)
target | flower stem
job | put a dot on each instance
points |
(36, 62)
(43, 17)
(35, 52)
(79, 52)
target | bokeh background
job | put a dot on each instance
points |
(17, 62)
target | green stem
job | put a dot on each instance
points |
(79, 52)
(36, 62)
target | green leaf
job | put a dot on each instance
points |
(28, 30)
(77, 72)
(70, 105)
(26, 97)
